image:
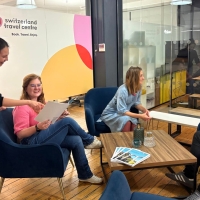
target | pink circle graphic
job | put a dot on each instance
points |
(1, 21)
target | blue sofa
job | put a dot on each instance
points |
(28, 161)
(117, 188)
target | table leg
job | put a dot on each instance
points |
(169, 128)
(102, 165)
(195, 103)
(193, 106)
(176, 133)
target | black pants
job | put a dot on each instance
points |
(190, 170)
(190, 87)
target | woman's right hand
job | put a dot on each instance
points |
(37, 106)
(2, 108)
(44, 125)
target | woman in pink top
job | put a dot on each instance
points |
(65, 132)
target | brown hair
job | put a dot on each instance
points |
(3, 44)
(27, 79)
(133, 79)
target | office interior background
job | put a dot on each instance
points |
(144, 33)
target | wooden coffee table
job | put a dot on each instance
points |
(167, 152)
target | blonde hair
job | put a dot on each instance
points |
(133, 79)
(26, 81)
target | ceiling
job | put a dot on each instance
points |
(78, 6)
(59, 5)
(73, 6)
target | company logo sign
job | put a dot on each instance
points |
(24, 24)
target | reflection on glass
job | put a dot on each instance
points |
(186, 59)
(167, 50)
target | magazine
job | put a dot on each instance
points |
(51, 111)
(129, 156)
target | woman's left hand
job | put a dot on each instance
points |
(147, 113)
(64, 114)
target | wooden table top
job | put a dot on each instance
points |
(186, 112)
(167, 152)
(195, 96)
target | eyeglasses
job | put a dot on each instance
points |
(35, 85)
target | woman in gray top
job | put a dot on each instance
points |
(117, 115)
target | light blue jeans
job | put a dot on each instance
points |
(68, 134)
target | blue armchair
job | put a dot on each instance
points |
(96, 99)
(117, 188)
(28, 161)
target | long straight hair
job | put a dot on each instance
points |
(133, 79)
(26, 81)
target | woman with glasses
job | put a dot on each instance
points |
(5, 102)
(65, 132)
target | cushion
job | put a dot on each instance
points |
(101, 126)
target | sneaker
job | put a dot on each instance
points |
(94, 180)
(96, 144)
(181, 178)
(194, 196)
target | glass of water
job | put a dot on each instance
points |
(149, 140)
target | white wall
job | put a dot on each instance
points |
(165, 15)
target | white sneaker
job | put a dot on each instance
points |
(96, 144)
(94, 180)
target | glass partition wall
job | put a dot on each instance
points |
(163, 39)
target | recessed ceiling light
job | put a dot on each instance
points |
(26, 4)
(181, 2)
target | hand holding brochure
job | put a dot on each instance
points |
(52, 111)
(129, 156)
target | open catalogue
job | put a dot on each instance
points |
(129, 156)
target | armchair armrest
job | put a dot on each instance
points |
(89, 117)
(18, 161)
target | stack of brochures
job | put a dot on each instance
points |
(129, 156)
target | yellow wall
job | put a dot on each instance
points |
(178, 86)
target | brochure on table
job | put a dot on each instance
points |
(51, 111)
(129, 156)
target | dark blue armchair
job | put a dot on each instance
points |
(28, 161)
(117, 188)
(96, 99)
